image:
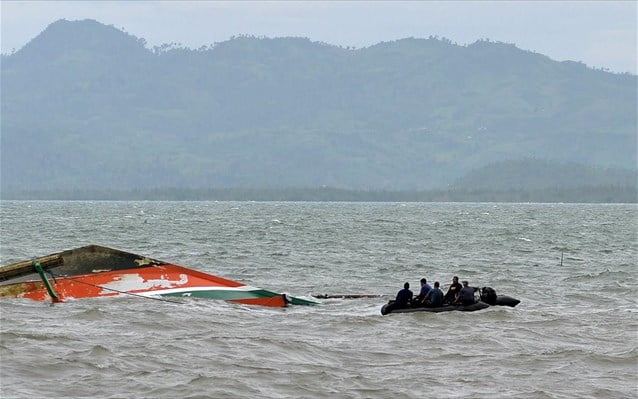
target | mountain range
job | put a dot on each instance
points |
(88, 106)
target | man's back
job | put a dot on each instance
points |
(425, 288)
(436, 297)
(403, 297)
(466, 295)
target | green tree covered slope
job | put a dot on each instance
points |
(88, 106)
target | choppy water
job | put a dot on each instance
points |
(575, 334)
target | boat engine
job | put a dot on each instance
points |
(488, 295)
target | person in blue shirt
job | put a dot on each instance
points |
(434, 298)
(425, 289)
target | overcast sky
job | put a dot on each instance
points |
(600, 34)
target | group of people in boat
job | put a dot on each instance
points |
(457, 294)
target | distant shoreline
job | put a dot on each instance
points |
(587, 194)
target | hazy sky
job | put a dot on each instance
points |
(600, 34)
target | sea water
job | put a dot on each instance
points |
(573, 266)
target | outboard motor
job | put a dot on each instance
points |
(488, 295)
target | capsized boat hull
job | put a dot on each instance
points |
(94, 271)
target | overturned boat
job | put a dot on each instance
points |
(95, 271)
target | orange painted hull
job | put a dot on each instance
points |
(104, 276)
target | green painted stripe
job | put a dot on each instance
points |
(299, 301)
(225, 295)
(233, 294)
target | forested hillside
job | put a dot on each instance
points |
(532, 174)
(87, 106)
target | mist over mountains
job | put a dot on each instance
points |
(86, 106)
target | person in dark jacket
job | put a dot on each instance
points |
(403, 299)
(455, 287)
(466, 294)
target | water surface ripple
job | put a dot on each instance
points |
(573, 335)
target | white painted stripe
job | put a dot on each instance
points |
(244, 288)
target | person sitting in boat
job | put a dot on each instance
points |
(403, 299)
(434, 298)
(455, 287)
(425, 289)
(466, 295)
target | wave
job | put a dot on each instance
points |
(601, 276)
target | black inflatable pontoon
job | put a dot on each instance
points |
(488, 298)
(446, 308)
(504, 300)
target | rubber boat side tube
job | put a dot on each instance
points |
(504, 300)
(447, 308)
